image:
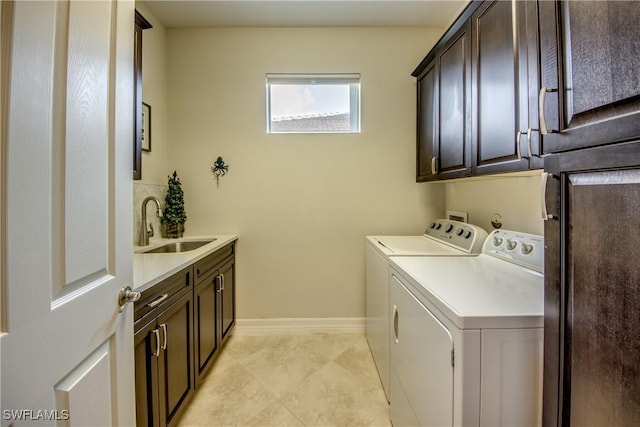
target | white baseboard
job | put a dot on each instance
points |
(299, 326)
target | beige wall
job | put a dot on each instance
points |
(155, 164)
(515, 198)
(301, 203)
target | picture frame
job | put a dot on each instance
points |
(145, 134)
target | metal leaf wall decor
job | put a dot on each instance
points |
(219, 169)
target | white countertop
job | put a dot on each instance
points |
(149, 269)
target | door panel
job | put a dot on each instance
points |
(68, 201)
(592, 338)
(85, 137)
(205, 303)
(427, 122)
(500, 89)
(82, 392)
(592, 68)
(421, 360)
(454, 113)
(176, 358)
(602, 340)
(228, 297)
(496, 78)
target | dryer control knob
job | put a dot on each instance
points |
(497, 241)
(526, 249)
(512, 244)
(466, 236)
(449, 228)
(433, 225)
(460, 232)
(438, 226)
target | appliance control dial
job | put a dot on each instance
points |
(526, 249)
(433, 225)
(460, 232)
(449, 228)
(438, 226)
(512, 244)
(466, 236)
(497, 241)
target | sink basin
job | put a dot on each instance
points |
(182, 246)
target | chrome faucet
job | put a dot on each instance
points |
(144, 233)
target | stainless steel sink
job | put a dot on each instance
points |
(182, 246)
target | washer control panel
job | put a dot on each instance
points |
(520, 248)
(461, 235)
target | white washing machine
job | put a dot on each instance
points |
(442, 238)
(467, 336)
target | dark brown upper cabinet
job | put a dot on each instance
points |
(478, 94)
(444, 108)
(140, 25)
(427, 123)
(590, 73)
(504, 87)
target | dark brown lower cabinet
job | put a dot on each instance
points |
(214, 299)
(205, 297)
(164, 363)
(180, 325)
(592, 288)
(164, 350)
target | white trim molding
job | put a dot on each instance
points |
(300, 326)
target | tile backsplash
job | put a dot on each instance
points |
(141, 192)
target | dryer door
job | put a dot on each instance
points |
(421, 368)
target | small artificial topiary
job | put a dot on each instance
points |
(174, 215)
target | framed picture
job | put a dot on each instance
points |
(146, 127)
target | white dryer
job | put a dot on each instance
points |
(442, 238)
(467, 336)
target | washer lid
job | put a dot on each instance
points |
(413, 246)
(477, 292)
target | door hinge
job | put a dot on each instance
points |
(453, 357)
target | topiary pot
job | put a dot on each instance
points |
(174, 230)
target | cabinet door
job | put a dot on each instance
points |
(592, 289)
(427, 124)
(228, 298)
(175, 363)
(206, 322)
(501, 127)
(146, 376)
(590, 62)
(453, 148)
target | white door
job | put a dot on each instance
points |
(66, 235)
(421, 363)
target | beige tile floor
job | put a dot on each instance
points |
(293, 380)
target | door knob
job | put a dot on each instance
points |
(125, 296)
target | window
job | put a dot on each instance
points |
(313, 103)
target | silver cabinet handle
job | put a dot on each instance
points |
(156, 302)
(543, 183)
(164, 333)
(541, 99)
(529, 142)
(518, 136)
(222, 277)
(157, 334)
(395, 323)
(434, 165)
(218, 283)
(125, 296)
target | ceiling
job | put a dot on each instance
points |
(305, 13)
